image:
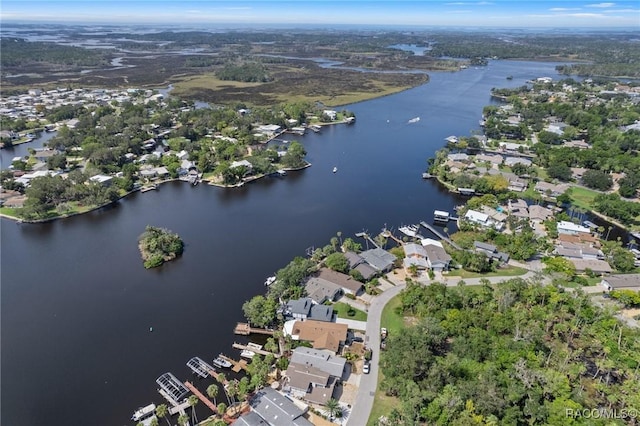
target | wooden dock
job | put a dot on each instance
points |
(237, 365)
(258, 351)
(174, 406)
(201, 397)
(439, 235)
(367, 239)
(387, 234)
(180, 408)
(244, 329)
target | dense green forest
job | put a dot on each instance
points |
(513, 354)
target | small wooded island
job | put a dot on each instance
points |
(159, 245)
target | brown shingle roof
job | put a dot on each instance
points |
(343, 280)
(323, 335)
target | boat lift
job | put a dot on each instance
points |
(200, 367)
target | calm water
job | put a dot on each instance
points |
(77, 304)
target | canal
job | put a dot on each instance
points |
(77, 305)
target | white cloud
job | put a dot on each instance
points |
(601, 5)
(563, 9)
(621, 11)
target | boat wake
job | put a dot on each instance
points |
(413, 120)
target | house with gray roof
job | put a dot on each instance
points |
(321, 290)
(250, 419)
(304, 308)
(354, 259)
(277, 410)
(616, 282)
(346, 283)
(379, 259)
(323, 359)
(437, 258)
(366, 270)
(491, 251)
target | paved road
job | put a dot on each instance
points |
(368, 382)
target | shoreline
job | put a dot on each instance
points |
(20, 220)
(612, 221)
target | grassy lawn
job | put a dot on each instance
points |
(390, 319)
(382, 404)
(583, 197)
(9, 211)
(510, 271)
(342, 308)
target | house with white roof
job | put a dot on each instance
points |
(571, 228)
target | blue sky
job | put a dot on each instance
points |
(494, 13)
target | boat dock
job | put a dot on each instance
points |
(237, 365)
(244, 329)
(201, 397)
(180, 408)
(439, 235)
(175, 407)
(200, 367)
(387, 234)
(252, 349)
(367, 239)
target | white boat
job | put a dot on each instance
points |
(221, 362)
(143, 412)
(414, 120)
(335, 169)
(410, 230)
(247, 353)
(270, 281)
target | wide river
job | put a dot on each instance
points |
(77, 305)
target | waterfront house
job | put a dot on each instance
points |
(44, 154)
(346, 283)
(322, 359)
(322, 334)
(250, 419)
(277, 410)
(321, 290)
(304, 308)
(490, 158)
(367, 271)
(103, 180)
(379, 259)
(330, 114)
(437, 258)
(353, 258)
(477, 218)
(571, 228)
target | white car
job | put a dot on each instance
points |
(366, 368)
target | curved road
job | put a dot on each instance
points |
(369, 382)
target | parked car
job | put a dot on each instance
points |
(366, 367)
(383, 333)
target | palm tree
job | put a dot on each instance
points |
(161, 411)
(212, 392)
(193, 401)
(222, 408)
(339, 234)
(183, 419)
(154, 421)
(608, 232)
(333, 408)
